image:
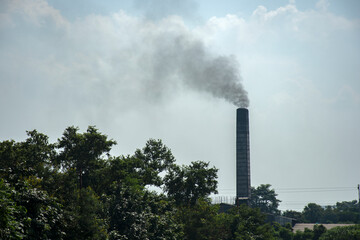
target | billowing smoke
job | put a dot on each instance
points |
(178, 56)
(118, 60)
(216, 75)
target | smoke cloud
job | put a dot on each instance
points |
(217, 75)
(97, 65)
(179, 56)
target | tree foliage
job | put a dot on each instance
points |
(82, 152)
(155, 158)
(313, 212)
(348, 233)
(187, 184)
(74, 189)
(11, 220)
(265, 198)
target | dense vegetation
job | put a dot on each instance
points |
(74, 189)
(343, 212)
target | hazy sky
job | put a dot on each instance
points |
(170, 70)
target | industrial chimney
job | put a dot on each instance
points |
(243, 189)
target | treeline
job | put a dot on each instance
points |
(74, 189)
(265, 198)
(319, 232)
(342, 212)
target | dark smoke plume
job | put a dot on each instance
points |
(187, 58)
(174, 55)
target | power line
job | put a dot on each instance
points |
(304, 189)
(305, 203)
(292, 188)
(316, 188)
(316, 191)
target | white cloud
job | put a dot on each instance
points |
(264, 15)
(37, 12)
(284, 25)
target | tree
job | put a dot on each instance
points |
(313, 213)
(293, 214)
(137, 214)
(11, 222)
(348, 233)
(24, 159)
(29, 213)
(84, 216)
(249, 224)
(307, 234)
(144, 168)
(319, 230)
(38, 153)
(342, 212)
(265, 198)
(82, 151)
(74, 189)
(26, 169)
(200, 221)
(187, 184)
(125, 169)
(330, 215)
(43, 213)
(282, 233)
(12, 163)
(347, 211)
(155, 158)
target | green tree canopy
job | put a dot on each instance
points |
(313, 213)
(82, 151)
(187, 184)
(348, 233)
(265, 198)
(155, 158)
(31, 157)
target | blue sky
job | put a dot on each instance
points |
(162, 69)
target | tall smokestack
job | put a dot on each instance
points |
(243, 189)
